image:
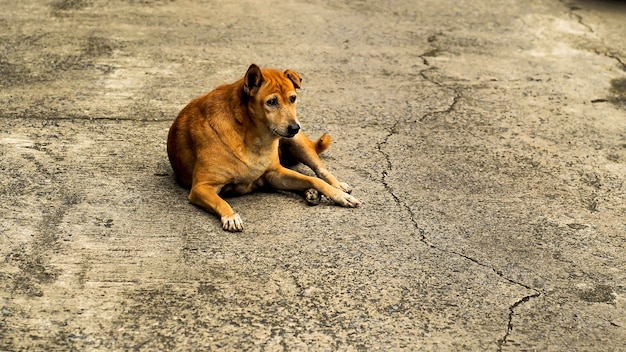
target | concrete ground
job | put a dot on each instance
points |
(486, 140)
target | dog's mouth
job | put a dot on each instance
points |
(275, 132)
(290, 132)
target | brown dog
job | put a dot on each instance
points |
(227, 141)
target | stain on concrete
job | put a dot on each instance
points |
(598, 294)
(618, 92)
(67, 5)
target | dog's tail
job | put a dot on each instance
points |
(322, 143)
(291, 153)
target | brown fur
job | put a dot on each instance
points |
(228, 139)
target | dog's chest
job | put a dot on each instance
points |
(249, 173)
(256, 165)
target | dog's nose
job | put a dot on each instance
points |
(293, 128)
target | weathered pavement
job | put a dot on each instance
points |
(486, 139)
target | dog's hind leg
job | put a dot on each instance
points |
(206, 196)
(301, 149)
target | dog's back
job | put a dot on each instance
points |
(206, 120)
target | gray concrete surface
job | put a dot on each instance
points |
(486, 139)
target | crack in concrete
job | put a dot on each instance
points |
(424, 239)
(422, 73)
(579, 18)
(581, 21)
(75, 117)
(413, 217)
(512, 308)
(616, 58)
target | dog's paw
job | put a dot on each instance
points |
(346, 200)
(344, 187)
(232, 223)
(312, 196)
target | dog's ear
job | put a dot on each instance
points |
(294, 77)
(253, 80)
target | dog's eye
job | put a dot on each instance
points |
(292, 99)
(272, 102)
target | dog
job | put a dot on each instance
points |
(227, 142)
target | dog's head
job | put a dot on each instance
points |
(272, 99)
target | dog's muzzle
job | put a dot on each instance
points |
(292, 129)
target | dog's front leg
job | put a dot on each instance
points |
(206, 196)
(307, 152)
(289, 180)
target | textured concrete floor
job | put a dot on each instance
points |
(486, 139)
